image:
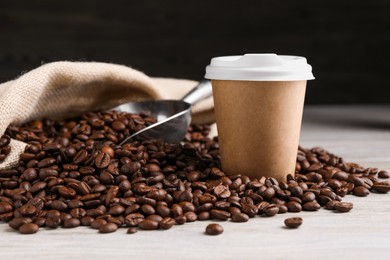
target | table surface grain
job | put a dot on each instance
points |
(358, 133)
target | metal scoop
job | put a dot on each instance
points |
(173, 116)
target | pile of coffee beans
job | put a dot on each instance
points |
(75, 173)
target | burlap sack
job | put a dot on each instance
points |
(64, 89)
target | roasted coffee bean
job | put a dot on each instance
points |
(102, 160)
(47, 162)
(108, 228)
(64, 216)
(214, 229)
(30, 174)
(155, 217)
(361, 191)
(116, 210)
(271, 210)
(118, 126)
(239, 217)
(28, 210)
(180, 220)
(40, 221)
(80, 157)
(148, 224)
(167, 223)
(384, 174)
(311, 206)
(67, 193)
(220, 214)
(204, 216)
(97, 223)
(28, 228)
(52, 213)
(293, 222)
(132, 220)
(147, 209)
(86, 221)
(222, 192)
(78, 213)
(132, 230)
(381, 187)
(5, 207)
(71, 223)
(294, 206)
(343, 206)
(330, 205)
(163, 211)
(191, 216)
(308, 196)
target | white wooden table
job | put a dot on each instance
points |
(358, 133)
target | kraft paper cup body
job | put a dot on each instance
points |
(259, 123)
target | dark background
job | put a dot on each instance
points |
(346, 42)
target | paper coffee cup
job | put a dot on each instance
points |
(258, 102)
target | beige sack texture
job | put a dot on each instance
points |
(64, 89)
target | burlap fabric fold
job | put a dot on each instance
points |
(65, 89)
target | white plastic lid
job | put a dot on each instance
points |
(262, 67)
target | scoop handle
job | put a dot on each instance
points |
(201, 91)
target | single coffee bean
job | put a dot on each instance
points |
(381, 187)
(132, 220)
(97, 223)
(343, 206)
(147, 209)
(222, 192)
(384, 174)
(28, 228)
(47, 162)
(102, 160)
(28, 210)
(239, 217)
(71, 223)
(86, 221)
(163, 211)
(271, 210)
(361, 191)
(155, 217)
(308, 196)
(118, 126)
(330, 205)
(80, 157)
(294, 206)
(40, 221)
(132, 230)
(5, 207)
(214, 229)
(108, 150)
(116, 210)
(167, 223)
(180, 220)
(148, 224)
(220, 214)
(191, 216)
(204, 216)
(311, 206)
(108, 228)
(53, 222)
(293, 222)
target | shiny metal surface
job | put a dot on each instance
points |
(173, 116)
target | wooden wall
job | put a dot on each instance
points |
(346, 42)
